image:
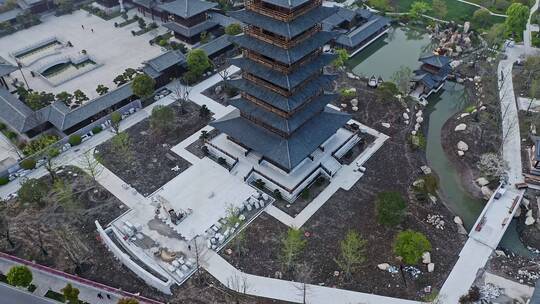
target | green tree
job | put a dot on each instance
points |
(342, 57)
(121, 145)
(402, 78)
(233, 29)
(518, 15)
(387, 91)
(381, 5)
(162, 119)
(49, 164)
(71, 294)
(481, 18)
(19, 276)
(143, 86)
(390, 208)
(33, 191)
(293, 244)
(418, 9)
(116, 117)
(198, 63)
(439, 8)
(352, 254)
(205, 37)
(495, 35)
(102, 90)
(410, 245)
(64, 97)
(128, 301)
(80, 97)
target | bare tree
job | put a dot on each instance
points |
(182, 93)
(303, 275)
(239, 285)
(35, 236)
(5, 226)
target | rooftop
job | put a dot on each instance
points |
(363, 32)
(187, 8)
(10, 15)
(190, 31)
(216, 45)
(6, 68)
(435, 60)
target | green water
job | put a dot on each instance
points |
(403, 47)
(400, 47)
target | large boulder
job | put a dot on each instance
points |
(406, 116)
(462, 146)
(383, 266)
(431, 267)
(426, 257)
(482, 181)
(385, 124)
(460, 127)
(458, 220)
(486, 192)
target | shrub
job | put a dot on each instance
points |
(97, 129)
(305, 194)
(221, 161)
(390, 208)
(28, 164)
(75, 140)
(259, 183)
(277, 195)
(19, 276)
(4, 180)
(2, 126)
(410, 245)
(11, 135)
(39, 144)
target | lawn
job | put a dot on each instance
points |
(457, 11)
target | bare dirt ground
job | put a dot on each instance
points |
(482, 134)
(393, 168)
(304, 199)
(152, 160)
(72, 244)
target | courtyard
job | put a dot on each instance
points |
(106, 50)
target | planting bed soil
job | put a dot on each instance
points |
(357, 149)
(152, 161)
(519, 269)
(196, 147)
(393, 168)
(304, 199)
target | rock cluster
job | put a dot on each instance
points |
(436, 220)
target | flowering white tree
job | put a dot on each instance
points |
(493, 166)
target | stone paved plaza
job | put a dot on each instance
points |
(114, 49)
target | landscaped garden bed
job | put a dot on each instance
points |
(393, 169)
(148, 162)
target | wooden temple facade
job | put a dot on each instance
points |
(282, 110)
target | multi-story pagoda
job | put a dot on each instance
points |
(282, 112)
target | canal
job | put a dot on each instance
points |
(403, 47)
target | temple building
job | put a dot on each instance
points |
(282, 115)
(188, 19)
(431, 75)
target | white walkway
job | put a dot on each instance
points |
(530, 27)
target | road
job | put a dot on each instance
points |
(12, 295)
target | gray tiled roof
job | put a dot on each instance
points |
(285, 125)
(216, 45)
(341, 15)
(435, 60)
(288, 56)
(166, 60)
(289, 81)
(187, 8)
(10, 15)
(97, 105)
(13, 111)
(363, 32)
(190, 31)
(286, 152)
(221, 19)
(286, 3)
(148, 3)
(6, 67)
(286, 29)
(279, 101)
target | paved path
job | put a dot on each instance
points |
(287, 290)
(483, 7)
(530, 27)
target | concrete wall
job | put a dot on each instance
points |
(129, 263)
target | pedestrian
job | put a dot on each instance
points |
(189, 247)
(108, 296)
(92, 30)
(82, 26)
(99, 295)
